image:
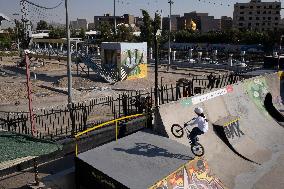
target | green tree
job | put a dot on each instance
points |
(147, 29)
(82, 33)
(42, 25)
(57, 33)
(124, 33)
(105, 32)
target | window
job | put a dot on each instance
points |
(251, 7)
(262, 29)
(257, 18)
(258, 12)
(249, 24)
(264, 12)
(270, 6)
(263, 18)
(241, 18)
(269, 12)
(242, 7)
(277, 6)
(250, 18)
(240, 24)
(269, 18)
(258, 7)
(276, 18)
(263, 24)
(276, 24)
(277, 12)
(257, 24)
(241, 12)
(250, 12)
(268, 23)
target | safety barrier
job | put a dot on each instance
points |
(77, 136)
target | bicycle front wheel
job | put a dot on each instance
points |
(197, 149)
(177, 130)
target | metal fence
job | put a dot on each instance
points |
(56, 124)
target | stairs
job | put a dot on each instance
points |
(108, 75)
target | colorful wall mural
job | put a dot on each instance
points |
(257, 90)
(128, 59)
(195, 174)
(134, 63)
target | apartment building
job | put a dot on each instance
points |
(257, 15)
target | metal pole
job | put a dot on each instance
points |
(278, 66)
(114, 1)
(170, 30)
(156, 72)
(29, 88)
(69, 71)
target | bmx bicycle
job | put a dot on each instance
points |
(178, 131)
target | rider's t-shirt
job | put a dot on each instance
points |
(201, 122)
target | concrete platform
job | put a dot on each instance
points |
(136, 161)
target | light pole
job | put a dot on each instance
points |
(69, 71)
(170, 30)
(278, 66)
(114, 7)
(17, 28)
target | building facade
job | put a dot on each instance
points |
(107, 18)
(79, 24)
(204, 22)
(226, 23)
(166, 22)
(257, 15)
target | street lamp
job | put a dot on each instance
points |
(114, 7)
(278, 66)
(17, 28)
(69, 71)
(170, 30)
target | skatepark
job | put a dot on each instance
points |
(243, 147)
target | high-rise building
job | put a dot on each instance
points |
(257, 15)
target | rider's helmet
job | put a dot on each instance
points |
(198, 110)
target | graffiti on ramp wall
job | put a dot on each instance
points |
(257, 90)
(195, 174)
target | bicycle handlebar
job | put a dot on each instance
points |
(189, 121)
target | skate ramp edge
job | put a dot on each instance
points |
(194, 174)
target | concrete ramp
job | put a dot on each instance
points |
(242, 134)
(218, 154)
(273, 101)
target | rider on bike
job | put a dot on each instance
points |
(202, 125)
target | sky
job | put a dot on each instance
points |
(89, 8)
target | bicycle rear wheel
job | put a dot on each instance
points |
(177, 130)
(197, 149)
